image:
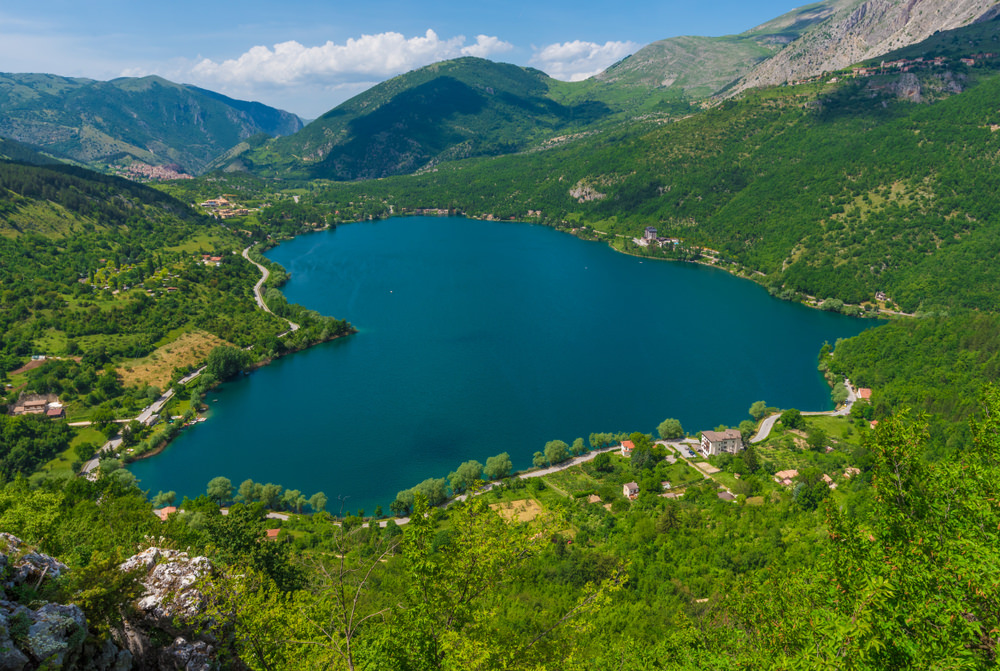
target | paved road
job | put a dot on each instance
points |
(89, 469)
(769, 422)
(265, 273)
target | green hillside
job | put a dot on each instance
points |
(148, 119)
(446, 111)
(96, 270)
(835, 190)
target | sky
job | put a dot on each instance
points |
(307, 56)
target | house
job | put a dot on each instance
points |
(666, 484)
(717, 442)
(649, 234)
(55, 411)
(627, 447)
(630, 490)
(164, 513)
(784, 478)
(272, 534)
(872, 424)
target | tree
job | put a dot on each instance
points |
(318, 502)
(465, 475)
(816, 439)
(578, 447)
(220, 489)
(757, 410)
(747, 429)
(792, 419)
(556, 452)
(498, 467)
(602, 463)
(538, 459)
(225, 361)
(249, 491)
(270, 495)
(670, 429)
(163, 499)
(290, 498)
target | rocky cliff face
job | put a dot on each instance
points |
(863, 31)
(169, 607)
(161, 631)
(52, 635)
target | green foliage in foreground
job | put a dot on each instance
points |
(897, 570)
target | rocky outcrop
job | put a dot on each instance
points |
(50, 635)
(864, 31)
(169, 607)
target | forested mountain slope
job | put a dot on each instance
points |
(449, 110)
(148, 119)
(833, 190)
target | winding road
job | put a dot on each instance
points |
(265, 273)
(765, 427)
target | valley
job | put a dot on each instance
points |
(484, 368)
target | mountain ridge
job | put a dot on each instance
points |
(147, 119)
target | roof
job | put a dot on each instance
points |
(628, 444)
(728, 434)
(632, 485)
(163, 513)
(273, 533)
(864, 392)
(790, 473)
(726, 496)
(593, 498)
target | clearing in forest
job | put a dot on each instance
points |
(524, 510)
(156, 369)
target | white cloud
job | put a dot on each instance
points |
(381, 55)
(316, 78)
(575, 61)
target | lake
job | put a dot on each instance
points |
(477, 338)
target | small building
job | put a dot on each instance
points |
(630, 490)
(164, 513)
(864, 393)
(785, 477)
(627, 447)
(851, 471)
(55, 411)
(726, 496)
(829, 481)
(665, 484)
(272, 534)
(593, 498)
(717, 442)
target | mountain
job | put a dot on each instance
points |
(858, 31)
(836, 190)
(699, 67)
(146, 119)
(449, 110)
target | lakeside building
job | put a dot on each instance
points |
(718, 442)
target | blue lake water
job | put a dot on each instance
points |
(477, 338)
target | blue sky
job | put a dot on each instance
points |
(307, 56)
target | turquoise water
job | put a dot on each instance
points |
(483, 337)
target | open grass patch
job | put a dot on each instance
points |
(572, 480)
(156, 369)
(523, 510)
